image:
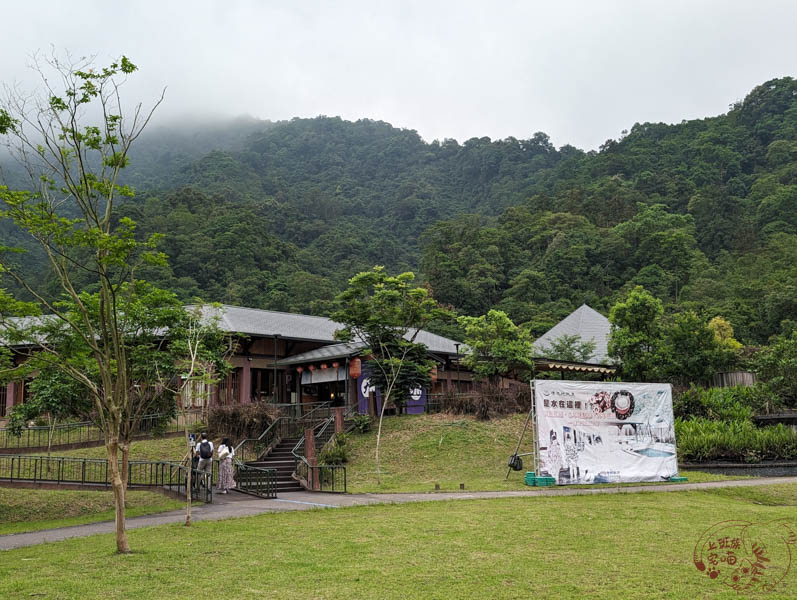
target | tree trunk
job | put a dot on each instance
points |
(189, 472)
(118, 487)
(379, 436)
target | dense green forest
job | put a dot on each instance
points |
(279, 215)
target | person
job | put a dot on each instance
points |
(226, 454)
(205, 451)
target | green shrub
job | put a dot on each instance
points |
(241, 420)
(362, 423)
(704, 440)
(336, 452)
(738, 403)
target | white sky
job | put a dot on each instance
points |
(580, 71)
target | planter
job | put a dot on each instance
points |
(780, 468)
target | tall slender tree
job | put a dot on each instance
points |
(73, 139)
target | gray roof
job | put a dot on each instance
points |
(269, 323)
(323, 353)
(586, 323)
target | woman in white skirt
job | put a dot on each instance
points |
(226, 454)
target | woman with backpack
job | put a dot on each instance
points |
(226, 454)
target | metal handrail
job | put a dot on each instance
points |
(325, 476)
(259, 481)
(254, 448)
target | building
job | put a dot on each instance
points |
(290, 358)
(586, 323)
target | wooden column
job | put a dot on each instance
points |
(245, 385)
(338, 419)
(11, 396)
(309, 454)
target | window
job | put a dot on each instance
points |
(3, 399)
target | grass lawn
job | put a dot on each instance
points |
(32, 510)
(636, 546)
(171, 448)
(419, 451)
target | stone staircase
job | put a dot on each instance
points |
(281, 459)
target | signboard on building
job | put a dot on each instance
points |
(597, 432)
(415, 404)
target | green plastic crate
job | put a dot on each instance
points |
(544, 481)
(678, 479)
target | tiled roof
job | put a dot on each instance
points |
(586, 323)
(268, 323)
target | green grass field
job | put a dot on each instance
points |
(611, 546)
(418, 452)
(166, 448)
(32, 510)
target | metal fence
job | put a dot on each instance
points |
(319, 478)
(95, 471)
(87, 432)
(251, 449)
(256, 480)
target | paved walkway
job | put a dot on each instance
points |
(241, 505)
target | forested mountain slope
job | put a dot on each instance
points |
(279, 215)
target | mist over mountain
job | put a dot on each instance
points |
(280, 214)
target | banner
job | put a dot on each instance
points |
(596, 432)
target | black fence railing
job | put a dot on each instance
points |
(87, 432)
(95, 471)
(319, 478)
(256, 480)
(251, 449)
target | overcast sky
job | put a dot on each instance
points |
(581, 71)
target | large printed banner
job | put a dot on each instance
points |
(595, 432)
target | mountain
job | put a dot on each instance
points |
(279, 215)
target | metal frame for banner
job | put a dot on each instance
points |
(535, 453)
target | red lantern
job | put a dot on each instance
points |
(335, 365)
(433, 374)
(323, 365)
(299, 370)
(355, 368)
(311, 368)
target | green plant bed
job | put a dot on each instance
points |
(32, 510)
(703, 440)
(637, 546)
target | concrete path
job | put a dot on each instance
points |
(241, 505)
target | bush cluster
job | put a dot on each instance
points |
(703, 440)
(738, 403)
(336, 452)
(241, 421)
(716, 424)
(487, 402)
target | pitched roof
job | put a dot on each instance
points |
(586, 323)
(269, 323)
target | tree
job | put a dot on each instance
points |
(495, 345)
(385, 314)
(689, 350)
(776, 366)
(74, 142)
(54, 395)
(635, 335)
(571, 348)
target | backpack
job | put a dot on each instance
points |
(204, 450)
